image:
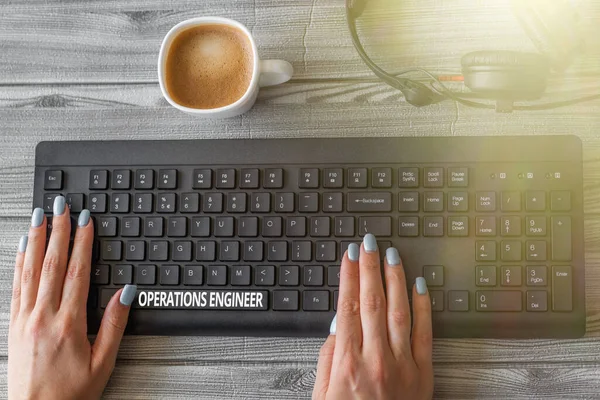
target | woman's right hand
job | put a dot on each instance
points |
(371, 353)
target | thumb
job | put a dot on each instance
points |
(106, 346)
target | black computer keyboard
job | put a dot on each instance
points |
(245, 237)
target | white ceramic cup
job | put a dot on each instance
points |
(264, 73)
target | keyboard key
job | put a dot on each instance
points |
(121, 179)
(433, 202)
(106, 226)
(437, 300)
(97, 203)
(272, 227)
(535, 250)
(212, 203)
(433, 177)
(98, 179)
(135, 250)
(100, 274)
(511, 226)
(122, 274)
(434, 275)
(433, 226)
(511, 201)
(166, 203)
(264, 275)
(381, 177)
(301, 250)
(167, 179)
(510, 250)
(216, 275)
(458, 226)
(378, 226)
(491, 300)
(357, 178)
(309, 202)
(153, 226)
(308, 178)
(182, 250)
(285, 300)
(315, 300)
(111, 250)
(458, 300)
(333, 178)
(260, 203)
(485, 250)
(145, 274)
(562, 288)
(510, 275)
(273, 178)
(158, 250)
(535, 226)
(205, 251)
(485, 275)
(119, 203)
(49, 201)
(224, 226)
(142, 203)
(537, 276)
(313, 275)
(408, 226)
(458, 177)
(253, 251)
(249, 178)
(284, 202)
(289, 275)
(535, 200)
(189, 203)
(240, 275)
(202, 179)
(177, 227)
(295, 226)
(53, 180)
(408, 201)
(225, 179)
(75, 202)
(561, 238)
(248, 227)
(344, 246)
(485, 226)
(144, 179)
(537, 300)
(485, 201)
(319, 226)
(333, 202)
(193, 275)
(168, 275)
(333, 276)
(344, 226)
(458, 201)
(560, 200)
(277, 251)
(325, 251)
(364, 202)
(408, 177)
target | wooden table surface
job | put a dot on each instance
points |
(74, 70)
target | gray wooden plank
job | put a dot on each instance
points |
(118, 41)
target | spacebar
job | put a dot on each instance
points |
(489, 300)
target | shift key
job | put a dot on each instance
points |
(369, 202)
(562, 288)
(561, 238)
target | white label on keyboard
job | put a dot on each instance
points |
(202, 299)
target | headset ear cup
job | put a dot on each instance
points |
(507, 75)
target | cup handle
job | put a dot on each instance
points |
(274, 72)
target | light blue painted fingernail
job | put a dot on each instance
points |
(128, 295)
(421, 285)
(59, 205)
(370, 243)
(332, 327)
(84, 218)
(393, 258)
(37, 217)
(353, 252)
(23, 243)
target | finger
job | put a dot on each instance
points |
(114, 321)
(34, 257)
(16, 292)
(422, 334)
(77, 279)
(372, 298)
(348, 333)
(398, 310)
(324, 369)
(55, 262)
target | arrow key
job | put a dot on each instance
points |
(458, 300)
(434, 275)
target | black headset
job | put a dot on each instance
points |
(503, 76)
